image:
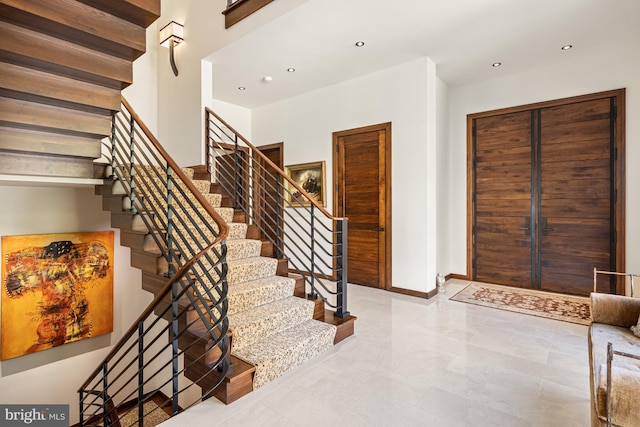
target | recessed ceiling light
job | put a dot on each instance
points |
(496, 64)
(566, 47)
(241, 88)
(291, 70)
(359, 44)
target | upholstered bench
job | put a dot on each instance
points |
(613, 315)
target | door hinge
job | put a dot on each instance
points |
(473, 129)
(337, 149)
(614, 112)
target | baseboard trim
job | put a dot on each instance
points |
(410, 292)
(457, 276)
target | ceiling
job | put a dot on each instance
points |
(463, 37)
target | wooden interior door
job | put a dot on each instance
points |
(576, 199)
(502, 199)
(362, 175)
(547, 194)
(269, 195)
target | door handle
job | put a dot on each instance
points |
(545, 227)
(527, 226)
(381, 229)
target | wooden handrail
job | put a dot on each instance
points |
(223, 232)
(270, 163)
(223, 229)
(149, 310)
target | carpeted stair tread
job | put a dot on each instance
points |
(287, 349)
(214, 199)
(236, 249)
(226, 214)
(243, 248)
(188, 172)
(247, 295)
(203, 186)
(159, 174)
(236, 229)
(247, 269)
(198, 216)
(261, 322)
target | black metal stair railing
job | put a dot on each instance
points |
(312, 240)
(185, 327)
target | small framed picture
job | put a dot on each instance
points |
(309, 176)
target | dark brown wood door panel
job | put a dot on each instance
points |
(502, 151)
(232, 169)
(362, 177)
(545, 193)
(575, 195)
(268, 193)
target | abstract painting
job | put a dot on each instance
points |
(56, 289)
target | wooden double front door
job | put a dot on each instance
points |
(547, 189)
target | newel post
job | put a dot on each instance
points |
(341, 270)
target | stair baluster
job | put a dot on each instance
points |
(190, 238)
(313, 249)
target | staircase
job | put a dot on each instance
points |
(63, 64)
(167, 214)
(233, 308)
(273, 325)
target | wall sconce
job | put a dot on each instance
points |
(172, 35)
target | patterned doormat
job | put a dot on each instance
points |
(566, 308)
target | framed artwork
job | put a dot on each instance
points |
(309, 176)
(56, 289)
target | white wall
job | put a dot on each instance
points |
(180, 114)
(399, 95)
(237, 117)
(443, 194)
(143, 93)
(618, 68)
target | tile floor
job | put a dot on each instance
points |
(416, 362)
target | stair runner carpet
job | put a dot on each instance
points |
(153, 415)
(271, 328)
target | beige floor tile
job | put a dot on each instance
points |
(416, 362)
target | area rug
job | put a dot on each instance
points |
(566, 308)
